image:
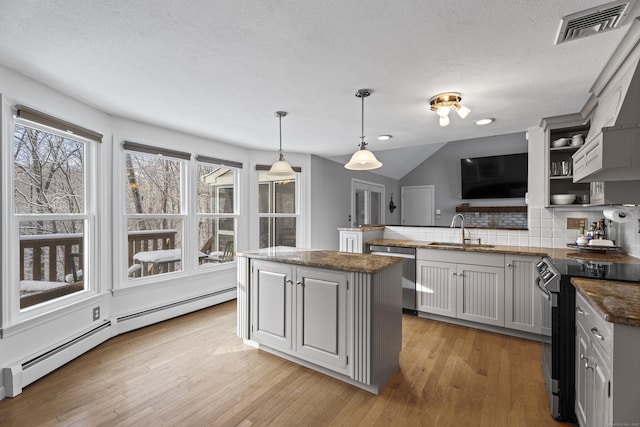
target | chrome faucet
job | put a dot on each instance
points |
(453, 224)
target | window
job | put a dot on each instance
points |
(277, 210)
(216, 210)
(53, 221)
(367, 203)
(154, 209)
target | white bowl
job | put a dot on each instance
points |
(562, 199)
(560, 142)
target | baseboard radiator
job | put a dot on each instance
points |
(153, 315)
(20, 375)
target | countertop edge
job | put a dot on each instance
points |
(596, 291)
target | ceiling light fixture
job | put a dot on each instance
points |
(281, 168)
(483, 122)
(384, 137)
(444, 102)
(363, 159)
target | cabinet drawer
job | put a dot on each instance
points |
(598, 329)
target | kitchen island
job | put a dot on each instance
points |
(335, 312)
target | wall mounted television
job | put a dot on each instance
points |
(494, 177)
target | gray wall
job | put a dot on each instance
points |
(331, 200)
(442, 170)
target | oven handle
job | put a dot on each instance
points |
(546, 293)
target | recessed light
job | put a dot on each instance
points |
(384, 137)
(482, 122)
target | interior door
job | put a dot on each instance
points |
(366, 203)
(417, 205)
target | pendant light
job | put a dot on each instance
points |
(363, 159)
(281, 168)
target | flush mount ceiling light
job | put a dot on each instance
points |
(363, 159)
(444, 102)
(384, 137)
(483, 122)
(281, 168)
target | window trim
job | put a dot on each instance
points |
(12, 315)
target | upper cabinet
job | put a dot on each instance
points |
(612, 148)
(563, 139)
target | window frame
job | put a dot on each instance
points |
(11, 312)
(235, 215)
(122, 264)
(297, 215)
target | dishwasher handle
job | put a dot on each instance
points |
(405, 256)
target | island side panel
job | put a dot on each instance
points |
(387, 323)
(361, 327)
(243, 297)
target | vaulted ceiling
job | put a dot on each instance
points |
(220, 69)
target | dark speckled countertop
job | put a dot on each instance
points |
(617, 302)
(345, 261)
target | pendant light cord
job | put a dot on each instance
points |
(362, 143)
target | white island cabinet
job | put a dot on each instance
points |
(340, 314)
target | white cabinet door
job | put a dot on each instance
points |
(435, 287)
(271, 307)
(523, 305)
(599, 411)
(321, 313)
(480, 294)
(581, 359)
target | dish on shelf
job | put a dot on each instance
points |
(563, 199)
(560, 142)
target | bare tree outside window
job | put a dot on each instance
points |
(48, 179)
(153, 207)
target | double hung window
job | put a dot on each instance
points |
(154, 209)
(53, 209)
(217, 209)
(278, 210)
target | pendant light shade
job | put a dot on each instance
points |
(281, 168)
(363, 159)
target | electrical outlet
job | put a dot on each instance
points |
(96, 313)
(576, 223)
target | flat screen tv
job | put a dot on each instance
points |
(494, 177)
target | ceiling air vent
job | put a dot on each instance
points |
(594, 21)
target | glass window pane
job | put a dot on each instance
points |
(360, 208)
(215, 189)
(216, 237)
(375, 207)
(285, 196)
(153, 183)
(154, 246)
(265, 232)
(285, 231)
(51, 260)
(48, 172)
(264, 197)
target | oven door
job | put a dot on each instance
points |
(547, 350)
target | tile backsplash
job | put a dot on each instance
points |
(546, 228)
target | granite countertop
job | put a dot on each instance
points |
(556, 253)
(345, 261)
(616, 302)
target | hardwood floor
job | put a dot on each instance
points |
(193, 370)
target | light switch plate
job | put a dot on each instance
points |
(576, 223)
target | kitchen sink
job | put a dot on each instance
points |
(460, 245)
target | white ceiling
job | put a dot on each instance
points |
(220, 69)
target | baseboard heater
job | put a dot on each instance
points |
(157, 314)
(20, 375)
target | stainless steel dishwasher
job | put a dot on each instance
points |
(408, 273)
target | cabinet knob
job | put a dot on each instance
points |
(579, 310)
(289, 281)
(508, 264)
(453, 273)
(300, 283)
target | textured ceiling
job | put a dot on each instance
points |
(220, 69)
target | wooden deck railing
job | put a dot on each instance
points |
(46, 265)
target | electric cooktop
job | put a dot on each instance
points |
(607, 267)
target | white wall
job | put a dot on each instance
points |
(442, 170)
(20, 341)
(331, 200)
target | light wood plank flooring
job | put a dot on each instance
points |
(194, 371)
